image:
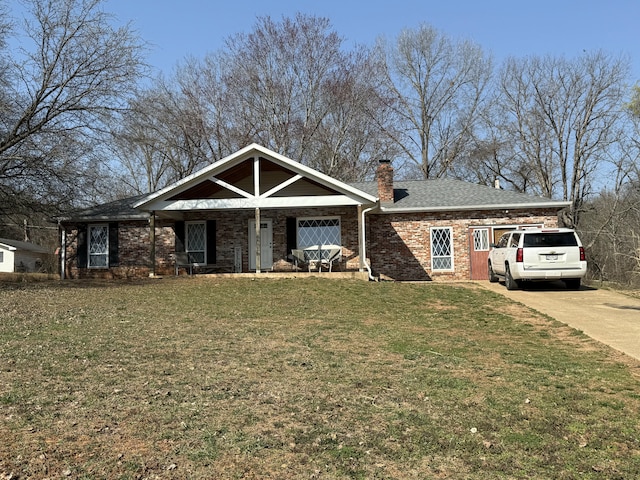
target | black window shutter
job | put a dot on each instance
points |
(291, 234)
(81, 253)
(113, 245)
(179, 231)
(211, 242)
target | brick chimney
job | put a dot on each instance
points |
(384, 174)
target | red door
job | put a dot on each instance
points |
(479, 239)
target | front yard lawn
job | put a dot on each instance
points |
(304, 378)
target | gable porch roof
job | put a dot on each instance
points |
(254, 177)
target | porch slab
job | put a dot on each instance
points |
(351, 275)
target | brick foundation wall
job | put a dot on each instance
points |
(399, 245)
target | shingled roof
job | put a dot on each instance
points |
(445, 194)
(117, 210)
(24, 246)
(409, 196)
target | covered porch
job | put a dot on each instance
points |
(253, 211)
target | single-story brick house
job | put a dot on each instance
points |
(408, 230)
(23, 257)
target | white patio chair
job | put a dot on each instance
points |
(299, 258)
(182, 260)
(333, 254)
(313, 257)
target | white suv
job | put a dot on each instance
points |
(538, 254)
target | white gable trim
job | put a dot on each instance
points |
(10, 248)
(348, 194)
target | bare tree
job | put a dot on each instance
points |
(562, 116)
(138, 142)
(609, 229)
(348, 142)
(60, 91)
(163, 137)
(634, 105)
(437, 89)
(276, 75)
(290, 86)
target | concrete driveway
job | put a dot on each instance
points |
(606, 316)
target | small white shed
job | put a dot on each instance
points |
(16, 256)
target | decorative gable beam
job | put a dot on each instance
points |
(256, 176)
(282, 186)
(233, 188)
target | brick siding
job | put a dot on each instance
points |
(232, 230)
(398, 245)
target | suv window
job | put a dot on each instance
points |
(559, 239)
(515, 238)
(503, 240)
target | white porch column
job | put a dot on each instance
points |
(258, 241)
(361, 239)
(256, 193)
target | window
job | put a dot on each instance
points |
(515, 239)
(318, 231)
(481, 240)
(195, 244)
(1, 257)
(503, 240)
(98, 246)
(442, 248)
(561, 239)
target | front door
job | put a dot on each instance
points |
(266, 241)
(479, 238)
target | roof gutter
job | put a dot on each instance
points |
(515, 206)
(101, 218)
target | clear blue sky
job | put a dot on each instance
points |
(178, 28)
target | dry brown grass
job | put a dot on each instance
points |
(26, 277)
(201, 378)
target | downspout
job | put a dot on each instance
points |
(363, 247)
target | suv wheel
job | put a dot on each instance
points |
(509, 282)
(572, 283)
(493, 278)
